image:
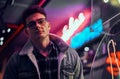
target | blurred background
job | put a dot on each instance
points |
(84, 24)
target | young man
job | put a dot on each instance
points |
(45, 56)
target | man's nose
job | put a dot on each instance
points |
(37, 25)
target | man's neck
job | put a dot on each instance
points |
(42, 46)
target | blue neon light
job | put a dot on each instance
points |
(86, 35)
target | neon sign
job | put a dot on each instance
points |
(87, 35)
(76, 33)
(113, 63)
(74, 24)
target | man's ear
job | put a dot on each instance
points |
(49, 25)
(26, 31)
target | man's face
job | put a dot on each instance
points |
(37, 26)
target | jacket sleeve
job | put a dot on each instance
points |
(11, 68)
(78, 67)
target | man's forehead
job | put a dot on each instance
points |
(35, 16)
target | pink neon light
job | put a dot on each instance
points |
(75, 25)
(41, 2)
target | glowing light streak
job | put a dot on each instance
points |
(74, 24)
(42, 2)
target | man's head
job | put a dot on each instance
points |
(31, 10)
(37, 26)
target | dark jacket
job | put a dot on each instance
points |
(23, 65)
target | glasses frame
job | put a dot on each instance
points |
(32, 24)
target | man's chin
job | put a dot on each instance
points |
(41, 36)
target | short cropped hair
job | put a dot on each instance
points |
(31, 10)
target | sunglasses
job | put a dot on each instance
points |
(32, 24)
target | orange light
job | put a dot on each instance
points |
(114, 70)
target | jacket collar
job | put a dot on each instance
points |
(28, 47)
